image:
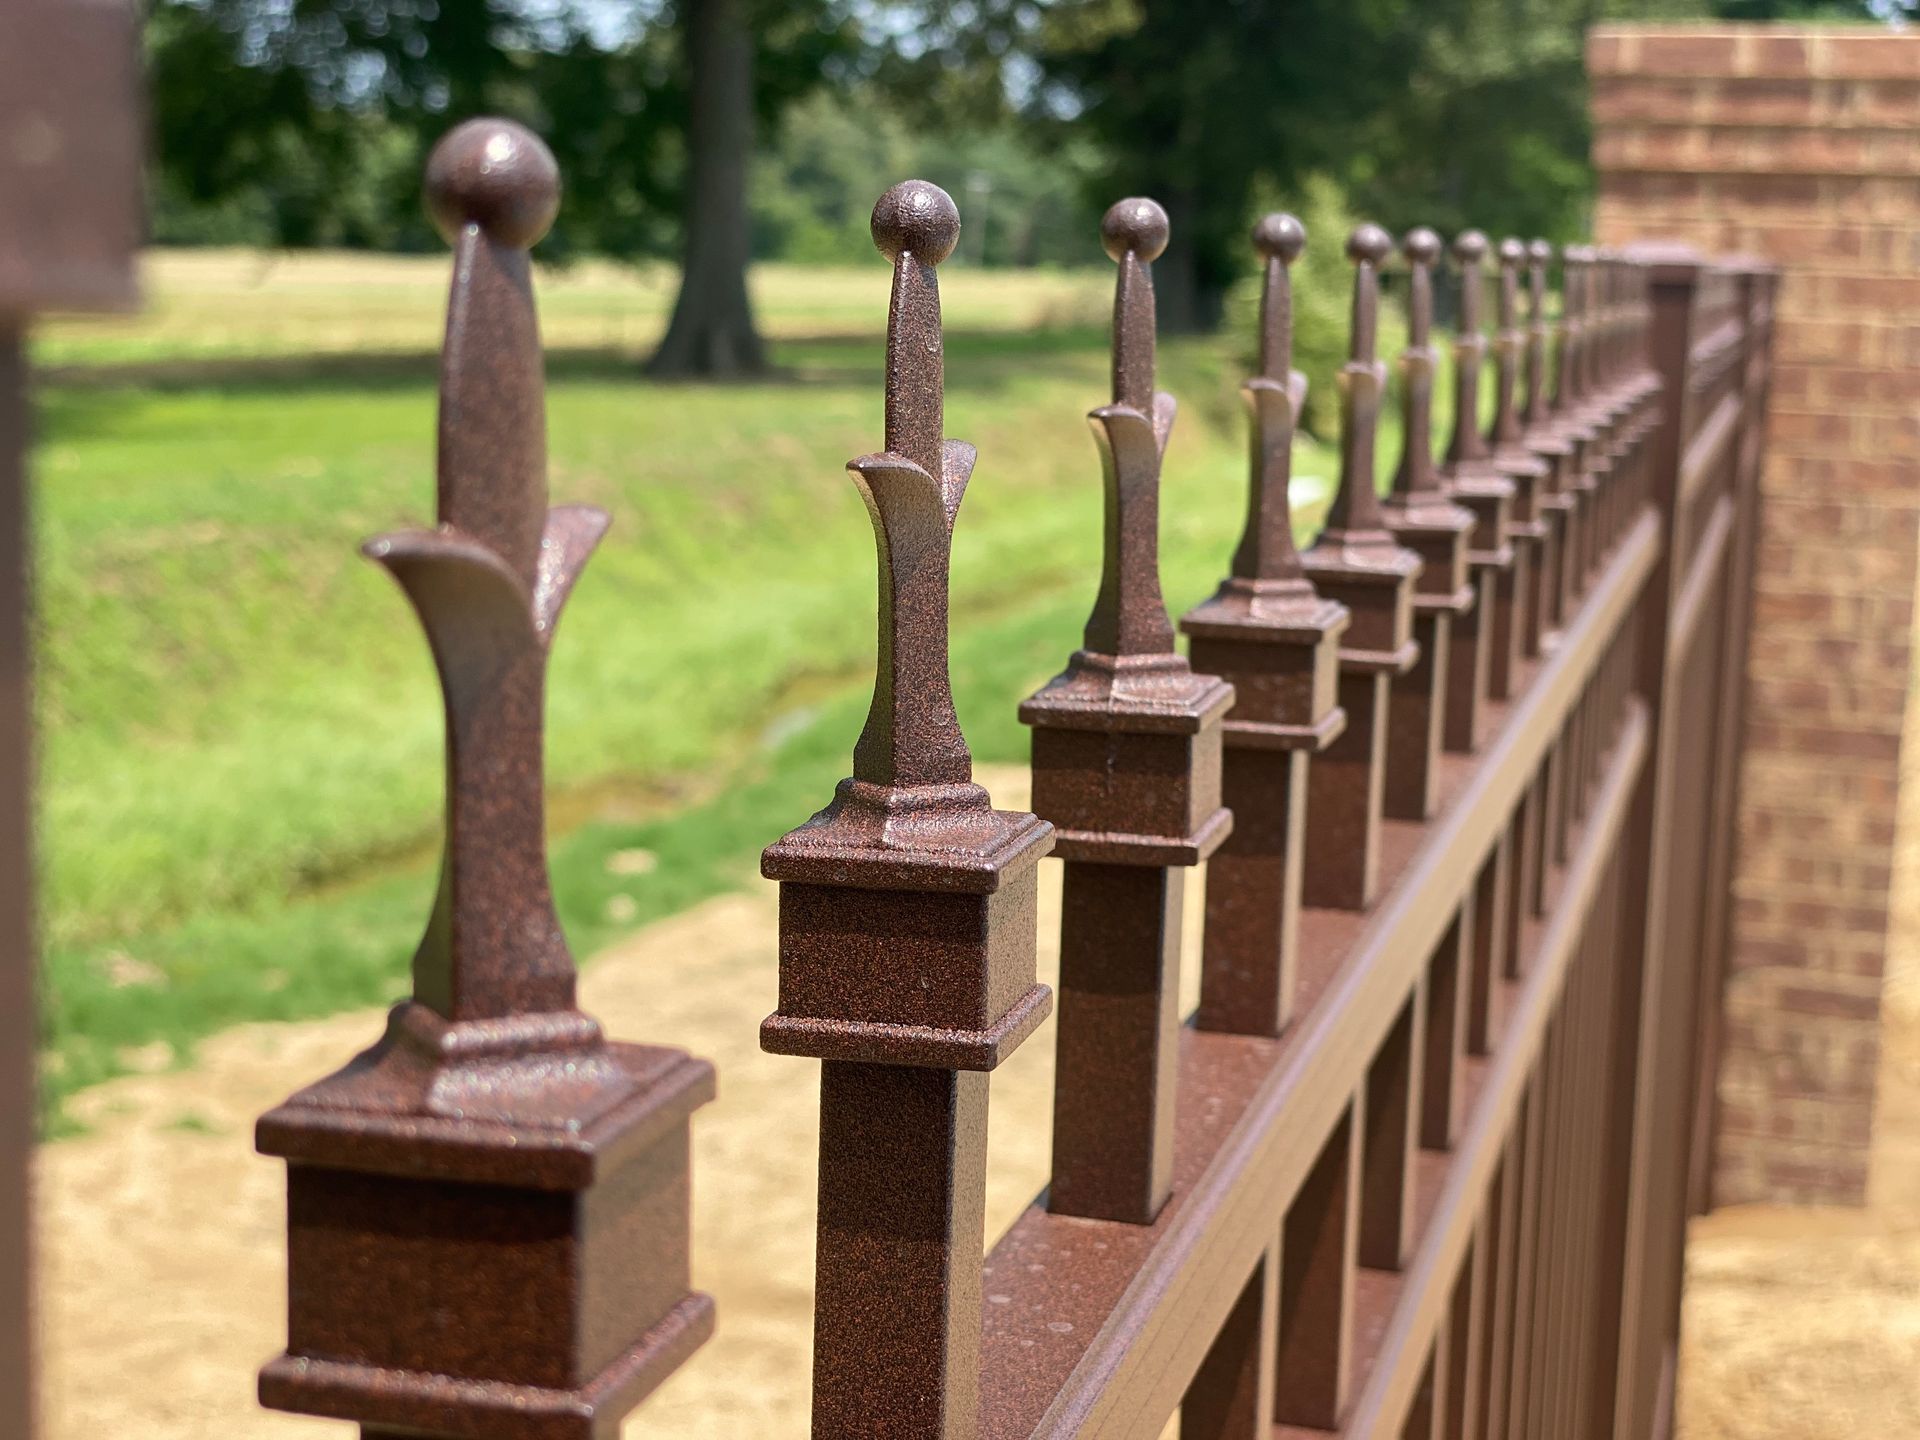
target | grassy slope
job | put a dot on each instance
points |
(241, 737)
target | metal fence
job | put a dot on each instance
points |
(1461, 772)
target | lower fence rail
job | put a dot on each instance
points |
(1099, 1330)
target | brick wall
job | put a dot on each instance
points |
(1801, 146)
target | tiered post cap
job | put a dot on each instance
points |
(1128, 675)
(489, 1089)
(1534, 413)
(1266, 600)
(1355, 546)
(910, 816)
(1266, 594)
(1468, 447)
(1415, 474)
(910, 852)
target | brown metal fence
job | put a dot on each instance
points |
(1462, 774)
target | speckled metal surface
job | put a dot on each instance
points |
(1422, 516)
(70, 222)
(907, 933)
(1126, 766)
(488, 1211)
(1477, 483)
(1270, 633)
(1358, 562)
(1517, 372)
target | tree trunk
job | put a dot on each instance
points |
(712, 332)
(1187, 302)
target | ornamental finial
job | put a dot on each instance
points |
(1356, 506)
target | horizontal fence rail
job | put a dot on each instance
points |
(1460, 772)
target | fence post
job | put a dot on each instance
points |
(1515, 634)
(1420, 516)
(1271, 635)
(1357, 562)
(69, 225)
(909, 871)
(488, 1210)
(1126, 768)
(1757, 286)
(1627, 1357)
(1477, 481)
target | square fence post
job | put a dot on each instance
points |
(1126, 767)
(1357, 562)
(70, 222)
(488, 1211)
(1421, 515)
(1275, 639)
(909, 873)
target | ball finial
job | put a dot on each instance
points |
(1281, 237)
(1512, 252)
(1369, 244)
(494, 174)
(919, 218)
(1422, 246)
(1136, 224)
(1540, 252)
(1469, 248)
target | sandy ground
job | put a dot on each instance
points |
(161, 1234)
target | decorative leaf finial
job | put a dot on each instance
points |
(1469, 347)
(1129, 616)
(913, 491)
(1539, 256)
(1273, 397)
(1356, 506)
(489, 585)
(1573, 328)
(1414, 475)
(1509, 347)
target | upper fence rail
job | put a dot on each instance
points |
(1442, 766)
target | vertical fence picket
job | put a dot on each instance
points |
(1357, 562)
(1269, 633)
(910, 860)
(1318, 1257)
(493, 1110)
(1127, 769)
(1420, 514)
(1476, 480)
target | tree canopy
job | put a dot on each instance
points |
(303, 122)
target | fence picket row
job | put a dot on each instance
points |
(1419, 1166)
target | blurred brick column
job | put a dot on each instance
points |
(1801, 146)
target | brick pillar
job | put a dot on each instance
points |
(1801, 146)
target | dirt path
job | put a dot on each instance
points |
(161, 1231)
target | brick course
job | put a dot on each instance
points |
(1801, 146)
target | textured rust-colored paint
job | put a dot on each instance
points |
(1515, 634)
(488, 1210)
(1268, 632)
(1231, 1395)
(70, 221)
(907, 933)
(1392, 1138)
(1476, 481)
(1422, 517)
(1317, 1262)
(1357, 561)
(1127, 768)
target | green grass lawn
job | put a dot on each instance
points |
(240, 729)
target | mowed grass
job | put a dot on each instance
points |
(240, 729)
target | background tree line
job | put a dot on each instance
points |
(716, 131)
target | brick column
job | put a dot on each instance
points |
(1801, 146)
